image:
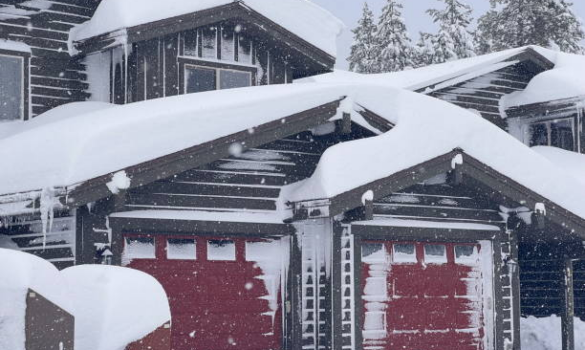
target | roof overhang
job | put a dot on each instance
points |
(236, 10)
(546, 108)
(470, 171)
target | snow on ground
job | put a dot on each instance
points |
(114, 306)
(302, 17)
(18, 273)
(545, 333)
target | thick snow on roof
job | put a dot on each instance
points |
(566, 80)
(419, 78)
(19, 272)
(393, 222)
(572, 162)
(427, 128)
(66, 151)
(301, 17)
(114, 306)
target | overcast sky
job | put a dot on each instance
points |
(349, 11)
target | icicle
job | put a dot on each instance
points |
(47, 208)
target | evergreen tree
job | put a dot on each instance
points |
(424, 51)
(547, 23)
(453, 41)
(363, 57)
(486, 33)
(395, 47)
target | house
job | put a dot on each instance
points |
(343, 213)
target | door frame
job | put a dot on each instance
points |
(493, 239)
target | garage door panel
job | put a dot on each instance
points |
(433, 303)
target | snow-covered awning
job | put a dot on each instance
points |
(303, 18)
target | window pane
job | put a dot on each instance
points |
(404, 253)
(233, 79)
(181, 249)
(539, 135)
(373, 252)
(435, 254)
(10, 88)
(221, 250)
(199, 80)
(244, 49)
(263, 251)
(139, 248)
(228, 44)
(209, 42)
(562, 134)
(466, 254)
(190, 40)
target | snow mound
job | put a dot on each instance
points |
(114, 306)
(545, 333)
(20, 272)
(301, 17)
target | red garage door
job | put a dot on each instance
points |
(423, 296)
(224, 292)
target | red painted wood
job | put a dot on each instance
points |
(160, 339)
(425, 306)
(215, 305)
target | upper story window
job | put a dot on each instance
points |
(201, 78)
(557, 133)
(12, 87)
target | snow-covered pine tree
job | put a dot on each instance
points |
(363, 57)
(395, 47)
(486, 32)
(547, 23)
(424, 50)
(454, 40)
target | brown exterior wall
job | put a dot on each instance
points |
(48, 327)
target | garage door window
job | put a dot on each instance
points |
(140, 248)
(404, 254)
(181, 249)
(466, 255)
(435, 254)
(373, 252)
(221, 250)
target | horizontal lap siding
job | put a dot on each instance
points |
(251, 181)
(25, 234)
(484, 93)
(55, 78)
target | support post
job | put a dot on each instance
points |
(346, 124)
(568, 307)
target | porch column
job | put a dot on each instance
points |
(568, 305)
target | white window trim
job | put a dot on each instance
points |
(22, 82)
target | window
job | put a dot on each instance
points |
(140, 248)
(190, 45)
(11, 87)
(244, 49)
(181, 249)
(466, 255)
(435, 254)
(404, 254)
(208, 42)
(263, 251)
(373, 252)
(557, 133)
(221, 250)
(200, 79)
(228, 43)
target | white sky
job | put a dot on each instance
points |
(349, 11)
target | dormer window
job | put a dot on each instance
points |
(556, 133)
(12, 87)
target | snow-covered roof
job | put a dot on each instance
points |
(572, 162)
(201, 215)
(393, 222)
(415, 79)
(301, 17)
(56, 151)
(565, 80)
(20, 272)
(114, 306)
(427, 128)
(11, 45)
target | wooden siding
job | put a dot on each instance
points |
(25, 234)
(484, 93)
(44, 25)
